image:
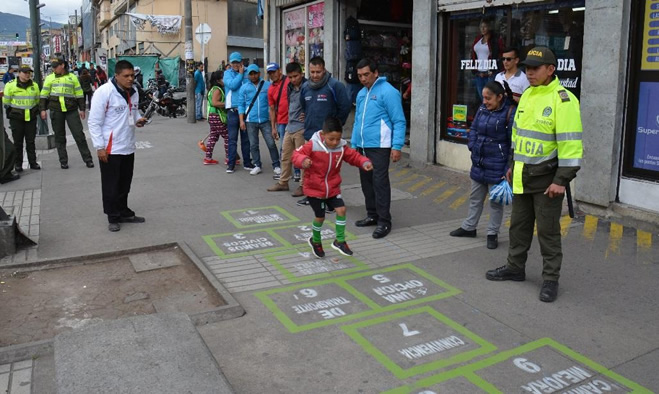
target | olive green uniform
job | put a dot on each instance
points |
(22, 100)
(63, 96)
(548, 149)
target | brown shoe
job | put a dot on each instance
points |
(298, 192)
(278, 187)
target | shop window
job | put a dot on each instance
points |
(641, 154)
(304, 33)
(475, 45)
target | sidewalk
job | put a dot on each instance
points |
(335, 325)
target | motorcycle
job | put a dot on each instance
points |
(172, 104)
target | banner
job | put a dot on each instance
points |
(165, 24)
(646, 150)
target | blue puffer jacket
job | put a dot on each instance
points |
(489, 143)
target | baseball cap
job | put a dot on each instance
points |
(56, 60)
(25, 68)
(253, 68)
(272, 67)
(538, 56)
(235, 57)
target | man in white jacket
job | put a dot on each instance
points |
(112, 120)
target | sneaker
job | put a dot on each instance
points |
(255, 171)
(460, 232)
(35, 166)
(64, 166)
(298, 192)
(18, 168)
(230, 170)
(132, 219)
(114, 227)
(316, 248)
(549, 291)
(278, 187)
(505, 273)
(303, 202)
(90, 164)
(248, 168)
(492, 241)
(342, 247)
(277, 170)
(208, 162)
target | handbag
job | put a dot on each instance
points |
(501, 193)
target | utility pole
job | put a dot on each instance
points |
(75, 31)
(35, 24)
(189, 63)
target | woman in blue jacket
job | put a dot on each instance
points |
(489, 144)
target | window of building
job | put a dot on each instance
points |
(303, 33)
(243, 21)
(472, 60)
(641, 153)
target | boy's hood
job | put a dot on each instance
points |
(317, 139)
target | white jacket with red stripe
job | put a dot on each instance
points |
(109, 119)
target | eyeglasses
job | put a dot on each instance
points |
(508, 59)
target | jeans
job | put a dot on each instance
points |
(253, 133)
(281, 130)
(480, 83)
(476, 200)
(233, 123)
(198, 103)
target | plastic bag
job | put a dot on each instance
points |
(501, 193)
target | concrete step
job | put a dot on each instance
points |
(160, 353)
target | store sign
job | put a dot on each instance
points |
(646, 152)
(650, 52)
(57, 44)
(459, 113)
(471, 64)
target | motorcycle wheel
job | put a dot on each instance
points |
(181, 111)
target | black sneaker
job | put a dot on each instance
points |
(114, 227)
(505, 273)
(549, 291)
(35, 166)
(64, 166)
(460, 232)
(492, 241)
(342, 247)
(90, 164)
(132, 219)
(303, 202)
(18, 168)
(316, 248)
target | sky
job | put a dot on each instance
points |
(59, 10)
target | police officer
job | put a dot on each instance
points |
(62, 95)
(21, 100)
(547, 153)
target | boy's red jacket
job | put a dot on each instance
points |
(323, 178)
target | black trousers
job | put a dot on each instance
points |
(22, 130)
(116, 177)
(376, 186)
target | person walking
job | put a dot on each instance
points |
(253, 112)
(294, 135)
(86, 83)
(322, 96)
(112, 120)
(547, 153)
(21, 98)
(379, 134)
(233, 81)
(62, 95)
(511, 74)
(217, 118)
(9, 75)
(199, 90)
(321, 158)
(489, 144)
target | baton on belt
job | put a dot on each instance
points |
(570, 206)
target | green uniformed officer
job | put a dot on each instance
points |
(62, 95)
(21, 99)
(547, 155)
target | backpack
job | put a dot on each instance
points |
(353, 30)
(351, 72)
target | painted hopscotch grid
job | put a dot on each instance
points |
(342, 282)
(299, 235)
(289, 264)
(25, 205)
(470, 371)
(483, 346)
(261, 216)
(16, 378)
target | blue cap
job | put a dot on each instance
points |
(253, 68)
(235, 57)
(272, 67)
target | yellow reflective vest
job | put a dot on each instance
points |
(20, 98)
(64, 88)
(546, 138)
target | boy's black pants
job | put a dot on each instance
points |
(116, 177)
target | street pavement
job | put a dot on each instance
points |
(406, 313)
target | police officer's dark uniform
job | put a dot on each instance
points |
(21, 99)
(548, 150)
(63, 96)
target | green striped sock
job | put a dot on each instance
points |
(315, 228)
(340, 228)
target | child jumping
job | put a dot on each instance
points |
(321, 158)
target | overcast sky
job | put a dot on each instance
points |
(59, 10)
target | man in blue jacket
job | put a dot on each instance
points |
(253, 110)
(233, 81)
(322, 96)
(199, 90)
(379, 134)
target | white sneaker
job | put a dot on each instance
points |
(255, 171)
(277, 170)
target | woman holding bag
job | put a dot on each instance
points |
(489, 143)
(217, 118)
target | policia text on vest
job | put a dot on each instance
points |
(62, 95)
